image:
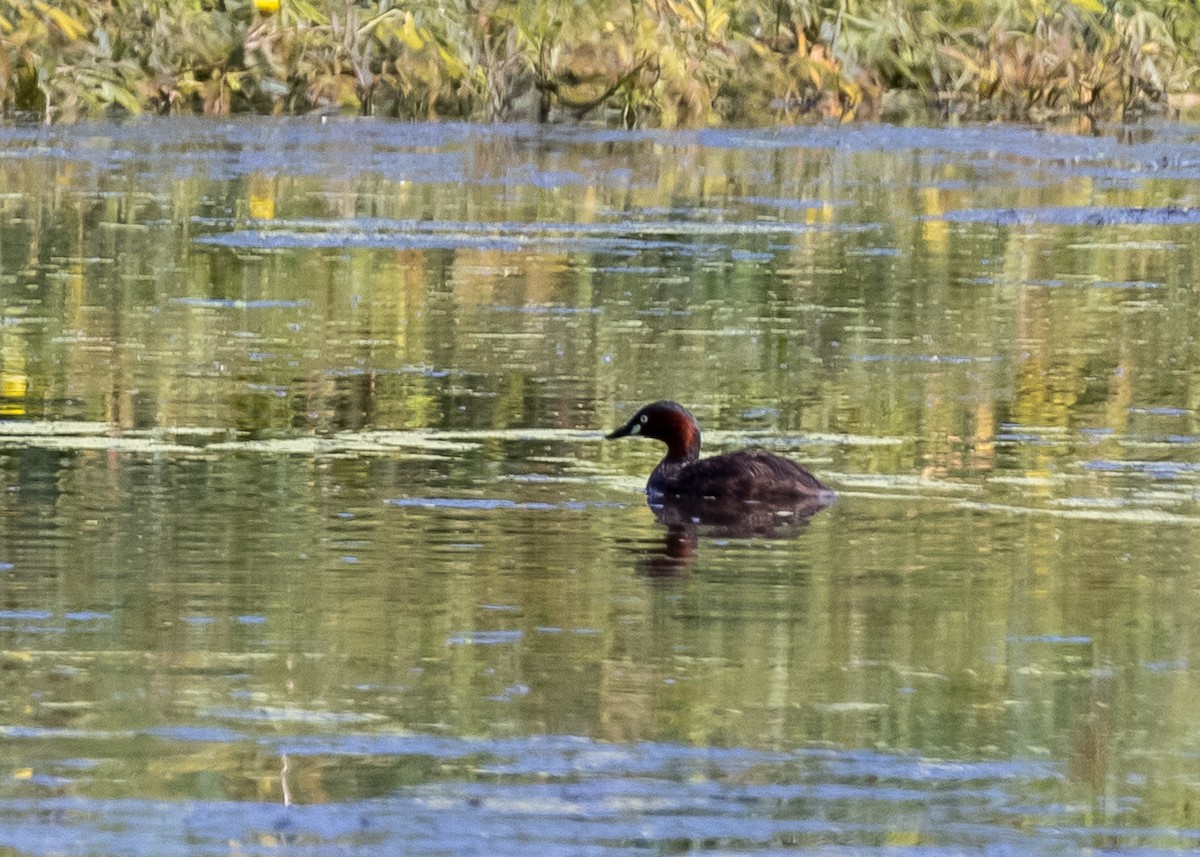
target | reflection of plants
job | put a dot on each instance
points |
(661, 62)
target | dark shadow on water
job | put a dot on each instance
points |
(687, 520)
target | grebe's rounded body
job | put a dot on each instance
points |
(747, 476)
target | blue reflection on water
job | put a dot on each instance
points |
(571, 795)
(484, 638)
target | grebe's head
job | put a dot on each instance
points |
(669, 422)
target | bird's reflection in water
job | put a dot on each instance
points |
(687, 520)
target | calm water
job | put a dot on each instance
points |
(309, 542)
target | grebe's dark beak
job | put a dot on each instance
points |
(624, 431)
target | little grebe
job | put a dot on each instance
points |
(747, 476)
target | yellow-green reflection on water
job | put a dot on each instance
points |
(309, 536)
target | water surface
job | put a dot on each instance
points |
(309, 541)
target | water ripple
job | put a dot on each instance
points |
(570, 795)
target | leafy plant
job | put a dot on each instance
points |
(635, 62)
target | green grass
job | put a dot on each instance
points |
(630, 62)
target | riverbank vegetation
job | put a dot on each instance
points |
(629, 62)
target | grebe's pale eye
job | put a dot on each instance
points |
(645, 418)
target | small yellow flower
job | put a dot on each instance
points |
(266, 7)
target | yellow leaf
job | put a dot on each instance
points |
(454, 66)
(717, 22)
(687, 11)
(1095, 7)
(6, 25)
(71, 28)
(307, 12)
(410, 34)
(23, 774)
